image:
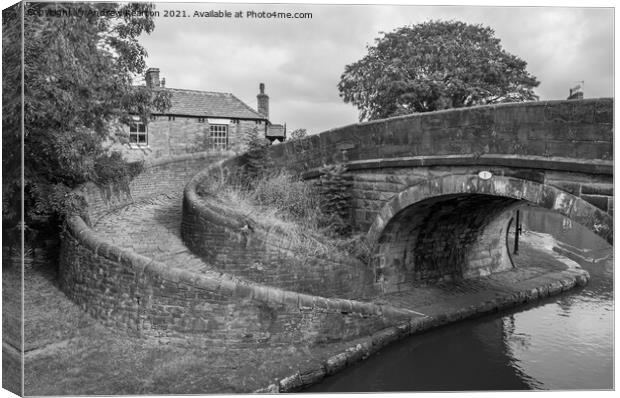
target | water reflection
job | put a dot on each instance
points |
(468, 356)
(564, 342)
(572, 343)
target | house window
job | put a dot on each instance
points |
(202, 119)
(138, 133)
(218, 135)
(258, 122)
(170, 118)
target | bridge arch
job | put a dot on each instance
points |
(455, 226)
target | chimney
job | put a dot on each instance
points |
(152, 77)
(263, 101)
(576, 93)
(163, 82)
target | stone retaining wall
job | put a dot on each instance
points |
(127, 290)
(238, 245)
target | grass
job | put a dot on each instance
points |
(282, 203)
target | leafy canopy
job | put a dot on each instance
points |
(432, 66)
(79, 64)
(298, 134)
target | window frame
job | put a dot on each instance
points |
(218, 136)
(134, 131)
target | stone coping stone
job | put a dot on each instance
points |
(517, 161)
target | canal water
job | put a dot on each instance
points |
(562, 343)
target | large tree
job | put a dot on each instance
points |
(79, 61)
(432, 66)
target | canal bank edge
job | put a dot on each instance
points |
(304, 378)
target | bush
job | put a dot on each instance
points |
(258, 162)
(113, 168)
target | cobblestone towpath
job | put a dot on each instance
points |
(153, 228)
(69, 353)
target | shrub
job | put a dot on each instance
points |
(112, 169)
(258, 162)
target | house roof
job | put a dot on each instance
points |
(209, 104)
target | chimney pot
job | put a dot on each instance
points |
(262, 100)
(152, 77)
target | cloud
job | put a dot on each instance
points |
(301, 60)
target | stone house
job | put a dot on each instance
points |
(198, 121)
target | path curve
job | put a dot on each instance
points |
(152, 228)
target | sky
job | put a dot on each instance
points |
(301, 60)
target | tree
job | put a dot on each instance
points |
(298, 134)
(432, 66)
(79, 63)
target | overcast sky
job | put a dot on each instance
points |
(301, 60)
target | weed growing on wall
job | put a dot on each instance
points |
(258, 163)
(335, 190)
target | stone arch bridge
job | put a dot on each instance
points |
(436, 191)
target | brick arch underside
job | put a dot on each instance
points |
(455, 227)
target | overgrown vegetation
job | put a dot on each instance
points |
(314, 215)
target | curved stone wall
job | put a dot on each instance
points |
(238, 245)
(125, 289)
